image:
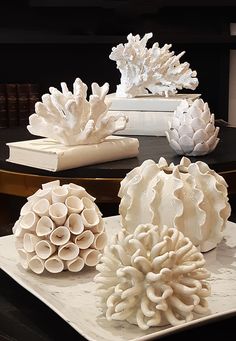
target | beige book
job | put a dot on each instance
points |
(50, 155)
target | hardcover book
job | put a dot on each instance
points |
(154, 123)
(50, 155)
(148, 102)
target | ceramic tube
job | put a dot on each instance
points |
(26, 208)
(44, 194)
(98, 228)
(54, 264)
(17, 230)
(25, 258)
(74, 204)
(87, 203)
(68, 251)
(44, 249)
(90, 217)
(29, 242)
(60, 236)
(58, 213)
(44, 226)
(74, 223)
(79, 191)
(85, 239)
(36, 264)
(29, 221)
(59, 194)
(100, 241)
(41, 207)
(51, 184)
(75, 265)
(90, 256)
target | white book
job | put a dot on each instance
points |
(50, 155)
(154, 123)
(148, 102)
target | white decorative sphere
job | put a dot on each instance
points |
(152, 277)
(59, 228)
(189, 196)
(192, 129)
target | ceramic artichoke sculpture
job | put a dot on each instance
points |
(59, 228)
(152, 277)
(192, 129)
(190, 197)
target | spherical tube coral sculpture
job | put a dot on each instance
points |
(57, 231)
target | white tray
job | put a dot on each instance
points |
(72, 296)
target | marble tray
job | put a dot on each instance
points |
(72, 296)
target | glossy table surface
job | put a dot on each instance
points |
(223, 158)
(103, 180)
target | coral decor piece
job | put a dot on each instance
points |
(155, 70)
(152, 277)
(192, 129)
(59, 228)
(70, 119)
(190, 197)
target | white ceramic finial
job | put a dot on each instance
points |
(152, 277)
(71, 120)
(192, 129)
(155, 70)
(190, 197)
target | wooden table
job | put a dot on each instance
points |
(103, 180)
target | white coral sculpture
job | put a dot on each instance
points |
(155, 70)
(59, 228)
(152, 277)
(192, 129)
(190, 197)
(69, 118)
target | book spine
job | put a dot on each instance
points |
(3, 107)
(12, 107)
(23, 103)
(33, 96)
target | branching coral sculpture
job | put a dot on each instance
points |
(152, 277)
(156, 70)
(192, 129)
(190, 197)
(70, 119)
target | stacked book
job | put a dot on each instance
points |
(147, 115)
(17, 102)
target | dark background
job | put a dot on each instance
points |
(49, 41)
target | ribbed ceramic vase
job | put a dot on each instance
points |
(190, 197)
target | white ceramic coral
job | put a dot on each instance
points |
(59, 228)
(152, 277)
(192, 129)
(190, 197)
(69, 118)
(155, 70)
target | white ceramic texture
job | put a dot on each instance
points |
(188, 196)
(156, 70)
(72, 295)
(59, 223)
(192, 129)
(152, 277)
(69, 118)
